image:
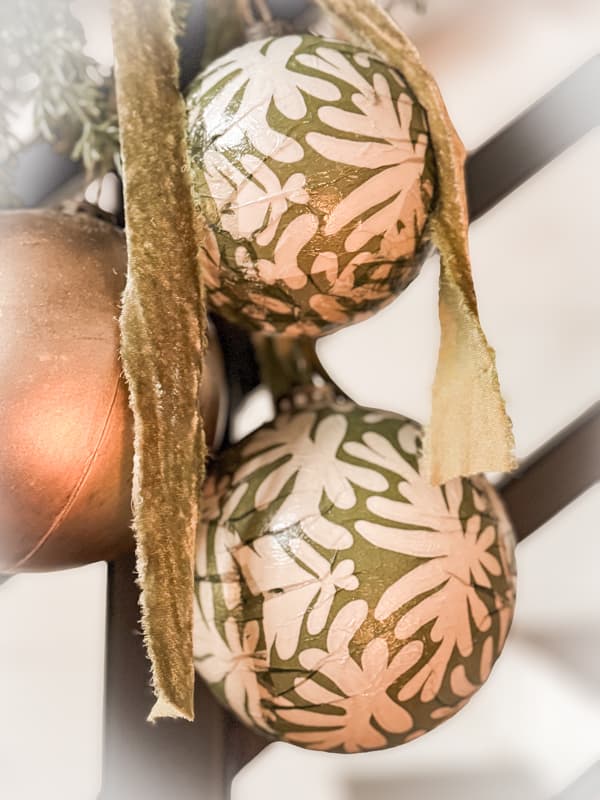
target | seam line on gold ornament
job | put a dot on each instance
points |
(75, 492)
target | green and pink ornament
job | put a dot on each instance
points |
(312, 165)
(342, 602)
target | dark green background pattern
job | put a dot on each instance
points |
(323, 178)
(376, 569)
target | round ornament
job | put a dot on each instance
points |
(312, 164)
(66, 432)
(342, 602)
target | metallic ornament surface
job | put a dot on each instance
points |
(66, 439)
(342, 602)
(312, 164)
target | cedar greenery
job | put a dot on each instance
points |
(43, 63)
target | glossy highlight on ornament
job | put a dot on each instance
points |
(342, 602)
(312, 165)
(66, 437)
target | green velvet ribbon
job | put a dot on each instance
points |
(163, 339)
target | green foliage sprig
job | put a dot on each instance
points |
(42, 62)
(8, 147)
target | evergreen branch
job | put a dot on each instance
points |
(43, 63)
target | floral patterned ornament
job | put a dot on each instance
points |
(312, 163)
(343, 603)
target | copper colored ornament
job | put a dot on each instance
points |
(66, 439)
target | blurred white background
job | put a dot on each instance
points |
(535, 726)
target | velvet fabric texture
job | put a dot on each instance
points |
(163, 340)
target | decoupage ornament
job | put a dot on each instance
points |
(66, 438)
(312, 164)
(342, 602)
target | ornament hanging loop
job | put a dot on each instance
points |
(293, 372)
(259, 20)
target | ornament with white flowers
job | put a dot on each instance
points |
(312, 164)
(343, 603)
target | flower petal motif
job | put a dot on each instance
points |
(312, 462)
(361, 689)
(296, 577)
(259, 74)
(250, 202)
(292, 578)
(343, 284)
(234, 659)
(285, 267)
(385, 144)
(428, 525)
